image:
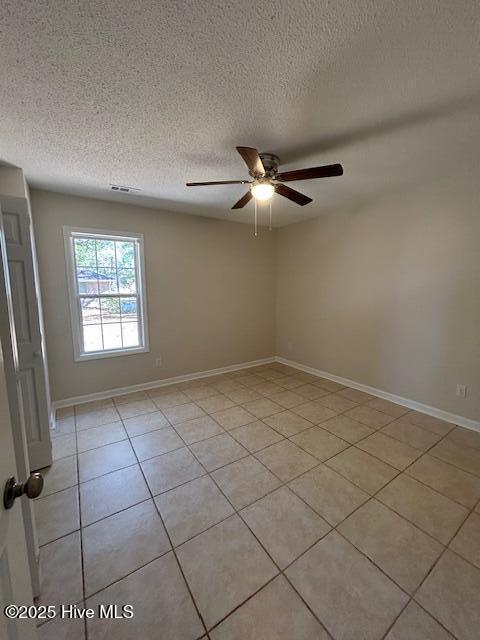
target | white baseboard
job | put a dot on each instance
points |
(385, 395)
(379, 393)
(119, 391)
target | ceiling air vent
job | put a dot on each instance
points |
(123, 189)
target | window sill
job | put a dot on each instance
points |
(114, 353)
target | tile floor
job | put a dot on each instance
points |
(264, 504)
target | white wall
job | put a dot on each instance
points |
(388, 294)
(210, 293)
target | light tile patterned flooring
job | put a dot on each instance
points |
(268, 504)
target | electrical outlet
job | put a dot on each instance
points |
(158, 361)
(461, 390)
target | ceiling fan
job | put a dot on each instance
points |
(263, 168)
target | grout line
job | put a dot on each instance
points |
(285, 484)
(447, 548)
(237, 512)
(321, 462)
(313, 425)
(114, 513)
(64, 535)
(429, 572)
(214, 375)
(389, 577)
(282, 571)
(414, 406)
(174, 552)
(370, 497)
(172, 548)
(142, 566)
(335, 528)
(80, 523)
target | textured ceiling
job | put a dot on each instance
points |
(152, 94)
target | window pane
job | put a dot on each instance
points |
(127, 281)
(112, 336)
(87, 280)
(107, 280)
(108, 293)
(130, 334)
(92, 337)
(90, 310)
(105, 253)
(110, 310)
(129, 309)
(125, 254)
(85, 252)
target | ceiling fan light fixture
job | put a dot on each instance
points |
(263, 168)
(262, 190)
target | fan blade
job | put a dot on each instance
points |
(243, 200)
(252, 160)
(206, 184)
(327, 171)
(291, 194)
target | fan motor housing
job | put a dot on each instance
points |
(270, 162)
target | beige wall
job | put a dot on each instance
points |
(210, 288)
(388, 294)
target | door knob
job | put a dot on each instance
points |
(32, 488)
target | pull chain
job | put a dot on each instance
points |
(255, 218)
(270, 226)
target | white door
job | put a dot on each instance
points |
(31, 368)
(15, 576)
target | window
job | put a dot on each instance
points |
(107, 292)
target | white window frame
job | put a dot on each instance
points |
(69, 233)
